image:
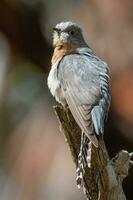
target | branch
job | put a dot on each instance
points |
(103, 180)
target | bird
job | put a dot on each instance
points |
(80, 80)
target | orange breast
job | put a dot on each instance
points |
(63, 50)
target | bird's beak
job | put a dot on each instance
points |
(57, 30)
(59, 37)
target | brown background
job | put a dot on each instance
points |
(35, 163)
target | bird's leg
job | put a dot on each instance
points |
(82, 159)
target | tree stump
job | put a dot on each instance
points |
(103, 179)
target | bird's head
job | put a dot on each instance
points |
(68, 33)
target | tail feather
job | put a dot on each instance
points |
(82, 160)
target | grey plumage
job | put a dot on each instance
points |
(80, 79)
(85, 81)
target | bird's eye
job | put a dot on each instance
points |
(72, 32)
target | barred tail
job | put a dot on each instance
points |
(83, 159)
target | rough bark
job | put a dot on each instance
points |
(103, 180)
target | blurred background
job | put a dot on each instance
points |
(35, 163)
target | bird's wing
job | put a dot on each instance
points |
(100, 110)
(80, 80)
